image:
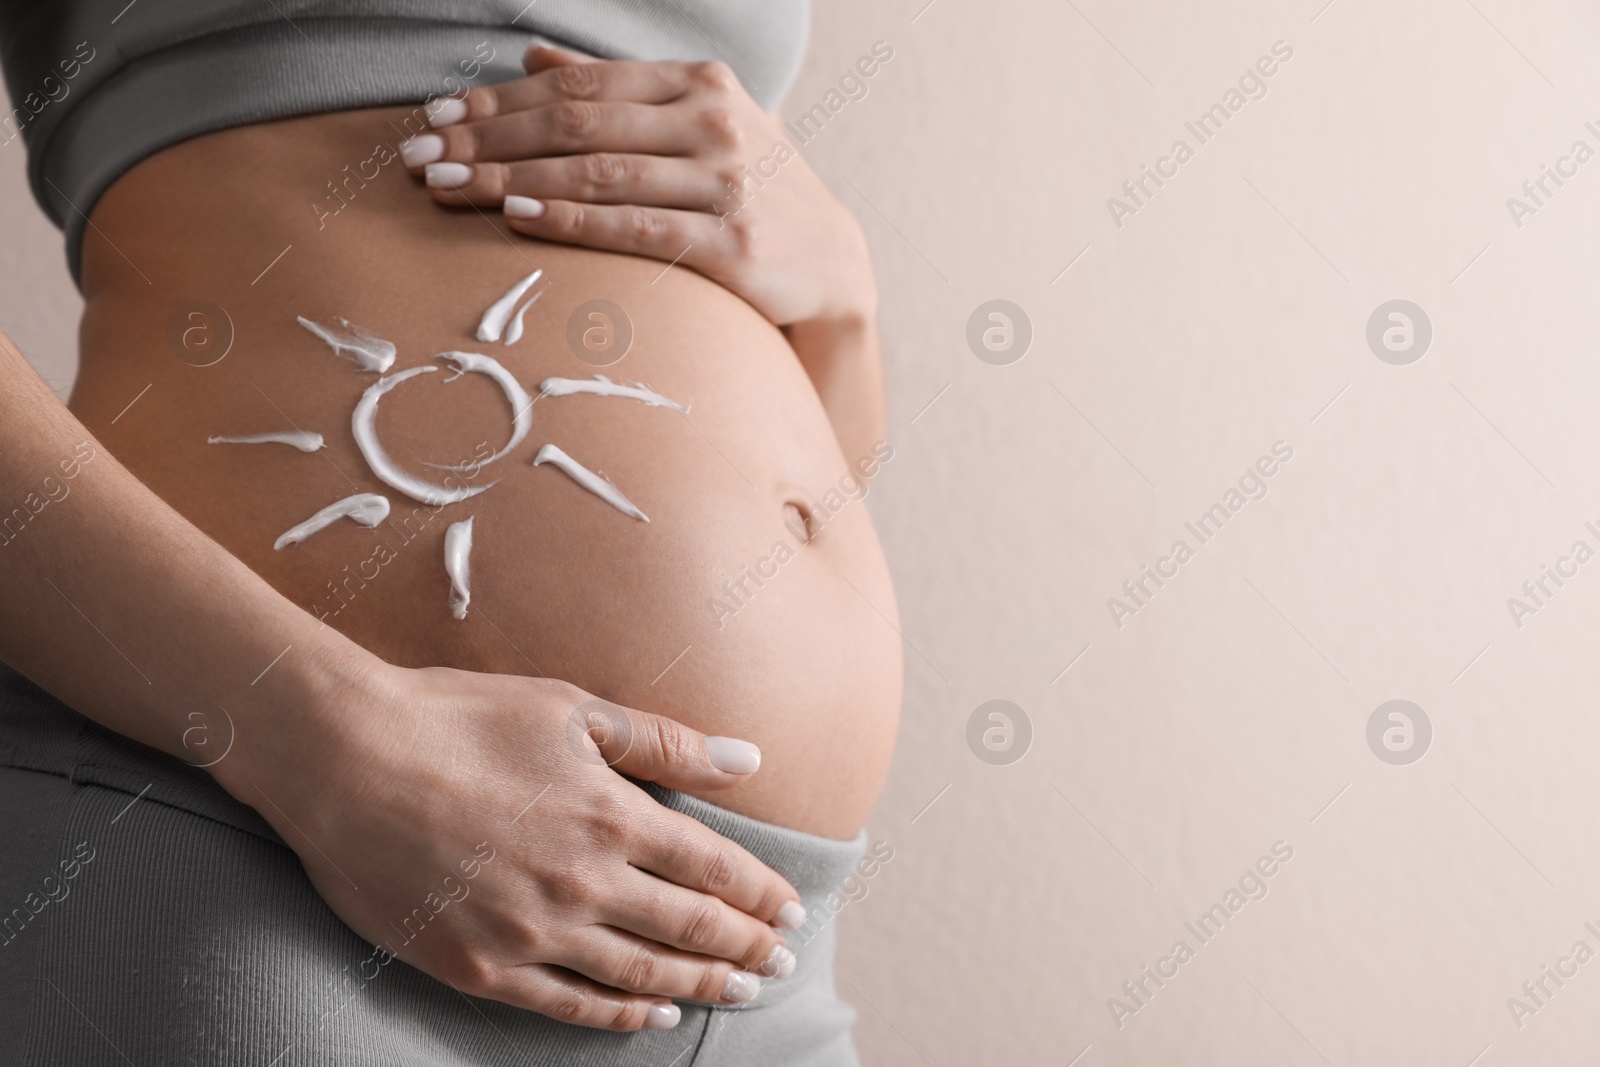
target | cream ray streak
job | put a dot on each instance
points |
(363, 423)
(362, 347)
(368, 509)
(589, 480)
(493, 323)
(514, 328)
(304, 440)
(603, 386)
(457, 564)
(521, 402)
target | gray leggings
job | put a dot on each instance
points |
(147, 917)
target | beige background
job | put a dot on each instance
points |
(1231, 712)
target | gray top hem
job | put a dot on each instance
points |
(176, 69)
(313, 66)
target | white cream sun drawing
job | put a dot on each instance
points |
(372, 354)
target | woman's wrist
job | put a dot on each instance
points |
(299, 720)
(851, 308)
(841, 355)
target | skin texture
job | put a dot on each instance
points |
(808, 667)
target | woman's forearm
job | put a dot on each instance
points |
(126, 611)
(844, 360)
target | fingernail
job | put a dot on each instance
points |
(447, 175)
(662, 1017)
(522, 207)
(779, 963)
(741, 987)
(733, 756)
(428, 148)
(446, 112)
(791, 916)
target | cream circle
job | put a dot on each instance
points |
(521, 402)
(363, 424)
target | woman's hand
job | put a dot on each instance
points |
(476, 827)
(669, 160)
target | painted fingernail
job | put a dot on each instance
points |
(522, 207)
(741, 987)
(428, 148)
(779, 963)
(733, 756)
(791, 916)
(662, 1017)
(447, 175)
(446, 112)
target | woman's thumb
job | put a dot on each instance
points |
(657, 749)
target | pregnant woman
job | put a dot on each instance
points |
(540, 753)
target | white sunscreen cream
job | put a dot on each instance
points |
(521, 402)
(603, 386)
(367, 350)
(368, 509)
(457, 553)
(304, 440)
(514, 328)
(363, 423)
(493, 323)
(589, 480)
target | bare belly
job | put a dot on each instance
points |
(716, 612)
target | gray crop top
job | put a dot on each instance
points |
(97, 85)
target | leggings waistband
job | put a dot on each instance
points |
(40, 733)
(813, 865)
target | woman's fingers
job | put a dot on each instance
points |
(668, 914)
(571, 998)
(700, 240)
(662, 750)
(596, 178)
(689, 854)
(632, 964)
(557, 75)
(642, 83)
(574, 126)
